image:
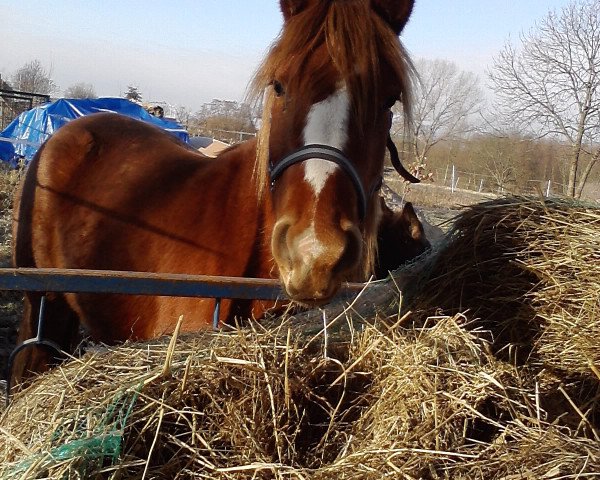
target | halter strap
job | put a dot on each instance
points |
(395, 158)
(332, 154)
(323, 152)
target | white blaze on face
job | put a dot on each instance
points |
(326, 124)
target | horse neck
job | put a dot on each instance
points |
(241, 159)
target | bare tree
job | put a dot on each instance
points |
(444, 99)
(81, 90)
(501, 161)
(34, 78)
(226, 120)
(133, 93)
(550, 84)
(183, 115)
(4, 84)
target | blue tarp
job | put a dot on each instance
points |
(28, 131)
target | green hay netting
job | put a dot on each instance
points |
(87, 441)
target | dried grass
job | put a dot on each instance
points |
(529, 270)
(412, 396)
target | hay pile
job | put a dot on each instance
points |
(412, 396)
(529, 271)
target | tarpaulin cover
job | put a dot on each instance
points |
(27, 132)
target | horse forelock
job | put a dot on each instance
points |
(359, 48)
(358, 41)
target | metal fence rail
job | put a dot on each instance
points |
(133, 283)
(136, 283)
(144, 283)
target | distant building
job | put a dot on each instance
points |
(208, 146)
(161, 110)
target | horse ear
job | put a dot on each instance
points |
(394, 12)
(386, 212)
(415, 227)
(289, 8)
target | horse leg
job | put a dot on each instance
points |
(60, 327)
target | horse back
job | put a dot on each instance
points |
(109, 192)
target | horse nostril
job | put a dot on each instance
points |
(279, 245)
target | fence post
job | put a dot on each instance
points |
(452, 179)
(548, 188)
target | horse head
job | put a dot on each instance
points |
(330, 82)
(401, 238)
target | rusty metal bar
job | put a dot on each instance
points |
(144, 283)
(38, 341)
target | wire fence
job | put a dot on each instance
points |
(13, 103)
(460, 182)
(456, 179)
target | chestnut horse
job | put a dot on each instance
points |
(298, 203)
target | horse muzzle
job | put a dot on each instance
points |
(312, 270)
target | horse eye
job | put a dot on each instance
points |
(278, 88)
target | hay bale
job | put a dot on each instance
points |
(410, 403)
(446, 408)
(529, 270)
(226, 405)
(405, 396)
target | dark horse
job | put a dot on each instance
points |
(401, 237)
(300, 203)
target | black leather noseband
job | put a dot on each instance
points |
(332, 154)
(323, 152)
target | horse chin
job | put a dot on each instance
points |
(308, 297)
(308, 303)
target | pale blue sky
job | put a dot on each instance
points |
(188, 52)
